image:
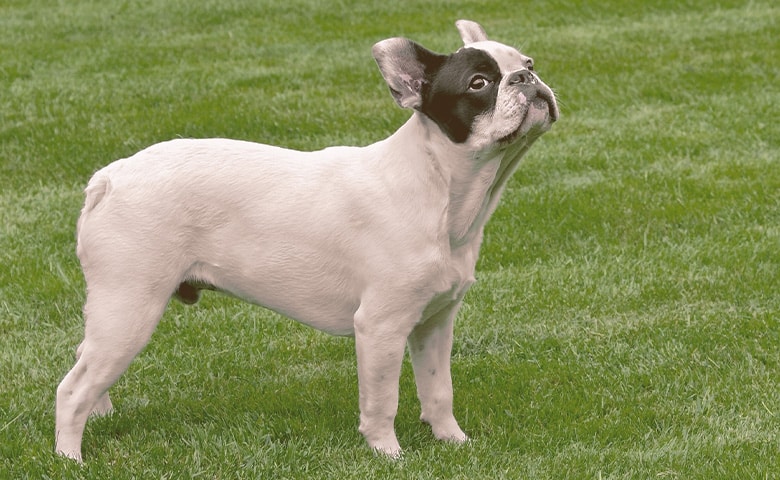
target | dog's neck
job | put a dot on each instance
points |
(472, 182)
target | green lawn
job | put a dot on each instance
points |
(625, 322)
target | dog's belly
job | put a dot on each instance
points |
(310, 293)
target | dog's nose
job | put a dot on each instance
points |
(522, 77)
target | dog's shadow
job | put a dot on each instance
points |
(257, 372)
(225, 370)
(259, 414)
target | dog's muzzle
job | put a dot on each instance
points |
(540, 90)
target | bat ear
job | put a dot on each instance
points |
(407, 68)
(471, 32)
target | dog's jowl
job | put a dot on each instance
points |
(379, 242)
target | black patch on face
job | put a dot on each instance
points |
(448, 97)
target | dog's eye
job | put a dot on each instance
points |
(478, 82)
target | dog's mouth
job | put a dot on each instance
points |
(541, 113)
(547, 96)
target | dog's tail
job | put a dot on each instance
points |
(97, 189)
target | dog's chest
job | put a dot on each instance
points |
(456, 279)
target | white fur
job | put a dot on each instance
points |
(379, 242)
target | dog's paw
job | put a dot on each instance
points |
(69, 453)
(103, 407)
(73, 456)
(448, 431)
(452, 436)
(390, 448)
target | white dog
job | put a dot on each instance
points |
(379, 242)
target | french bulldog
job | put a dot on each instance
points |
(377, 242)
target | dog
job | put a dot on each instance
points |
(378, 242)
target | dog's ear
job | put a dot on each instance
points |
(471, 32)
(407, 68)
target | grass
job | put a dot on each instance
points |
(625, 322)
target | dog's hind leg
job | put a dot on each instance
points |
(119, 323)
(103, 405)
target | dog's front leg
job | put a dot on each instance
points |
(430, 346)
(380, 342)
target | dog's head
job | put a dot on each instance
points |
(484, 95)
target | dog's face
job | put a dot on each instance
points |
(484, 95)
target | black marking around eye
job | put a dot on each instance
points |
(450, 103)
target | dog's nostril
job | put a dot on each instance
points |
(522, 77)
